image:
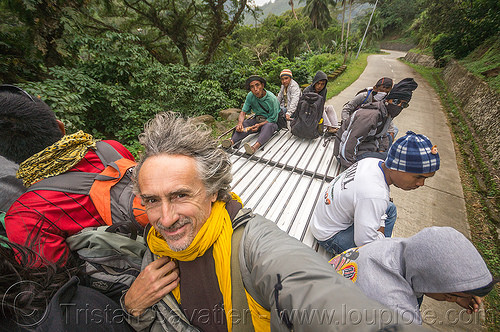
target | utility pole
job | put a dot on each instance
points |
(348, 30)
(369, 21)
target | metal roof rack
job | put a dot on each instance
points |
(284, 179)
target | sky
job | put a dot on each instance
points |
(261, 2)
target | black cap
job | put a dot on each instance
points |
(403, 90)
(254, 78)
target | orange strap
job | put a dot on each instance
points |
(99, 192)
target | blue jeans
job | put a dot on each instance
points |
(344, 239)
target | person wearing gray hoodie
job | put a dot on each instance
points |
(438, 262)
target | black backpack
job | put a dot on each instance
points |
(307, 116)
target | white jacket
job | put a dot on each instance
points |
(292, 95)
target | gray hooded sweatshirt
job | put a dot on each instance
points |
(396, 271)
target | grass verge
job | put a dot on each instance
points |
(355, 67)
(479, 190)
(484, 62)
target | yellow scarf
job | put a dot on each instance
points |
(55, 159)
(216, 231)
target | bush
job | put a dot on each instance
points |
(117, 86)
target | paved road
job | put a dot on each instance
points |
(440, 202)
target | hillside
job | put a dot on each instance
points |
(276, 7)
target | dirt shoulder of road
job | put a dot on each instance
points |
(479, 177)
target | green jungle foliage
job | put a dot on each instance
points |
(116, 85)
(452, 29)
(106, 67)
(484, 62)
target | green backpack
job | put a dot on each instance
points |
(112, 259)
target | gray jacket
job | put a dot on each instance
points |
(396, 271)
(364, 131)
(292, 97)
(311, 294)
(361, 98)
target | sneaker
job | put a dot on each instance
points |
(248, 149)
(226, 144)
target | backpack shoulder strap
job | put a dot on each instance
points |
(239, 218)
(107, 153)
(238, 294)
(69, 182)
(367, 95)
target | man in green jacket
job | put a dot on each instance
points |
(266, 108)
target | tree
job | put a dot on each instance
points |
(319, 12)
(174, 19)
(44, 20)
(222, 20)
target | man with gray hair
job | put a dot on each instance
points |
(215, 266)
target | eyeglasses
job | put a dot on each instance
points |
(399, 102)
(13, 88)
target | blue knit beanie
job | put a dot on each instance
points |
(413, 153)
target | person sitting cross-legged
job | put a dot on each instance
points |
(266, 108)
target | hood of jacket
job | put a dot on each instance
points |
(318, 77)
(442, 260)
(395, 271)
(435, 260)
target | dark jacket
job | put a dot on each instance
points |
(76, 308)
(364, 131)
(318, 77)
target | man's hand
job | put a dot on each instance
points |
(471, 304)
(157, 280)
(287, 116)
(467, 301)
(239, 127)
(253, 128)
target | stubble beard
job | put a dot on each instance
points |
(180, 241)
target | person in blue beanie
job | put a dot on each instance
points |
(356, 208)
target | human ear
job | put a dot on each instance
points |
(61, 127)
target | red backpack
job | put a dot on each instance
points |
(110, 191)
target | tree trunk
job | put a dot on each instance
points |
(294, 14)
(348, 30)
(221, 28)
(343, 18)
